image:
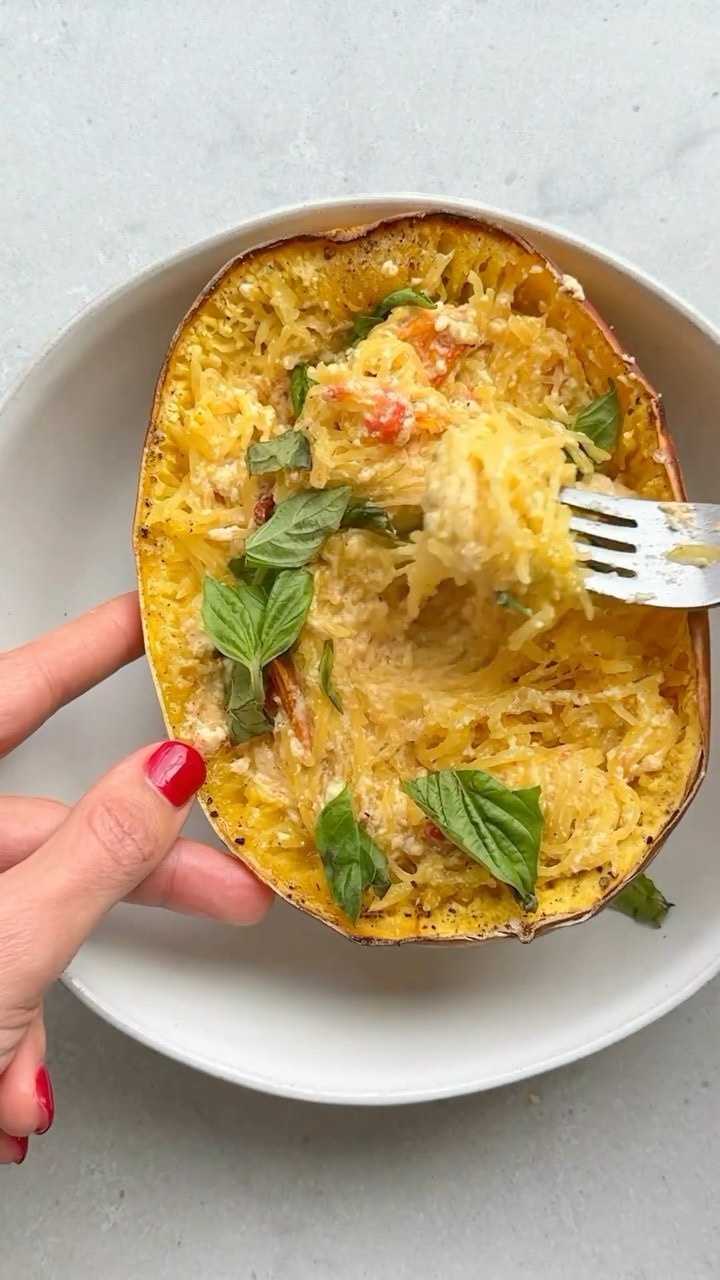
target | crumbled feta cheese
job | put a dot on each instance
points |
(205, 721)
(572, 286)
(227, 534)
(333, 787)
(463, 332)
(247, 289)
(197, 641)
(227, 479)
(240, 766)
(389, 268)
(208, 738)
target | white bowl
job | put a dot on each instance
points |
(290, 1007)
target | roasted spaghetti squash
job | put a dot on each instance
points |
(362, 600)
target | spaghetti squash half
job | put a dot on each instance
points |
(362, 601)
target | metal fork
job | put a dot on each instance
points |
(643, 552)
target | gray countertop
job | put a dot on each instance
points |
(126, 132)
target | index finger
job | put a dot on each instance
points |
(40, 677)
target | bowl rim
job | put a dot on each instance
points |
(396, 203)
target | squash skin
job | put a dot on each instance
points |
(607, 352)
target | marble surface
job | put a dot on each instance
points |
(127, 131)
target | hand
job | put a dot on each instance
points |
(61, 869)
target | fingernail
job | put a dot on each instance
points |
(44, 1095)
(22, 1145)
(177, 770)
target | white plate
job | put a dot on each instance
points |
(290, 1007)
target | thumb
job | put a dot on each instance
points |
(111, 840)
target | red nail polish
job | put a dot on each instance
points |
(44, 1095)
(177, 770)
(22, 1145)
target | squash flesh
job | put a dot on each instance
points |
(605, 715)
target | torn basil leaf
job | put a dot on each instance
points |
(254, 624)
(241, 570)
(286, 610)
(232, 617)
(642, 900)
(600, 420)
(325, 674)
(360, 514)
(352, 861)
(298, 528)
(246, 716)
(287, 452)
(508, 601)
(499, 827)
(300, 384)
(252, 575)
(362, 324)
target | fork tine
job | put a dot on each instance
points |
(625, 562)
(618, 510)
(620, 535)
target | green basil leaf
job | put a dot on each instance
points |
(508, 601)
(254, 599)
(325, 672)
(248, 723)
(352, 861)
(300, 384)
(287, 452)
(360, 514)
(363, 323)
(297, 529)
(241, 570)
(500, 828)
(642, 900)
(246, 716)
(232, 617)
(288, 605)
(600, 420)
(252, 575)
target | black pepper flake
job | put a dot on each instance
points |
(239, 840)
(648, 839)
(214, 813)
(144, 532)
